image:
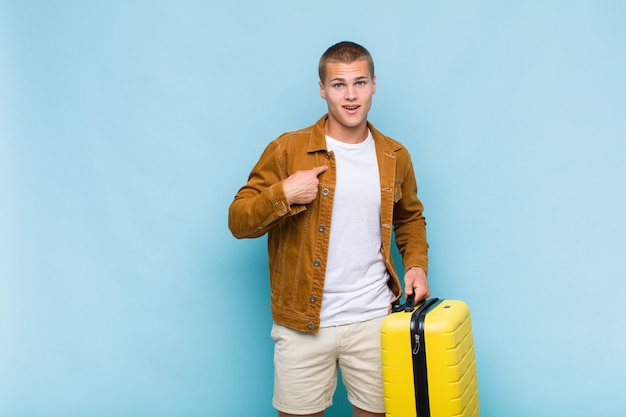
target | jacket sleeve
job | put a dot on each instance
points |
(261, 202)
(409, 220)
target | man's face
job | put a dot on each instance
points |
(348, 91)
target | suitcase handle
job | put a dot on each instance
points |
(410, 305)
(407, 307)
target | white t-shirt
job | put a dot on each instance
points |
(355, 287)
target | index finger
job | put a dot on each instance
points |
(319, 170)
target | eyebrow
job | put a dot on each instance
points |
(359, 78)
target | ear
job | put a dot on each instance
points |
(374, 85)
(322, 92)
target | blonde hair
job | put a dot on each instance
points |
(344, 52)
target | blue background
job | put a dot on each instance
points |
(127, 127)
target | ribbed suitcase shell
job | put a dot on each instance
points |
(452, 388)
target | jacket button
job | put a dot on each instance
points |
(313, 298)
(316, 263)
(321, 228)
(325, 191)
(310, 325)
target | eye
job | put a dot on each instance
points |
(338, 85)
(360, 83)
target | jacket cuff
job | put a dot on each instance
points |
(279, 200)
(417, 265)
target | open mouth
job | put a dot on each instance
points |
(351, 109)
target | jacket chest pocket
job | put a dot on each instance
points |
(397, 191)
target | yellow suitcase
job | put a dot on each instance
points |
(429, 368)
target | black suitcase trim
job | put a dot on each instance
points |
(418, 346)
(420, 372)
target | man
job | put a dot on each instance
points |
(328, 196)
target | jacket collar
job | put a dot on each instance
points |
(317, 141)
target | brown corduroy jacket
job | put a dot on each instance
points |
(298, 235)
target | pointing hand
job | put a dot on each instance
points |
(301, 186)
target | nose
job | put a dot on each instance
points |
(351, 92)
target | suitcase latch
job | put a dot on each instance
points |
(416, 345)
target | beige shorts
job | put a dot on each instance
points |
(305, 367)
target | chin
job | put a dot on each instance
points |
(355, 124)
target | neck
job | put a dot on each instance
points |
(347, 134)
